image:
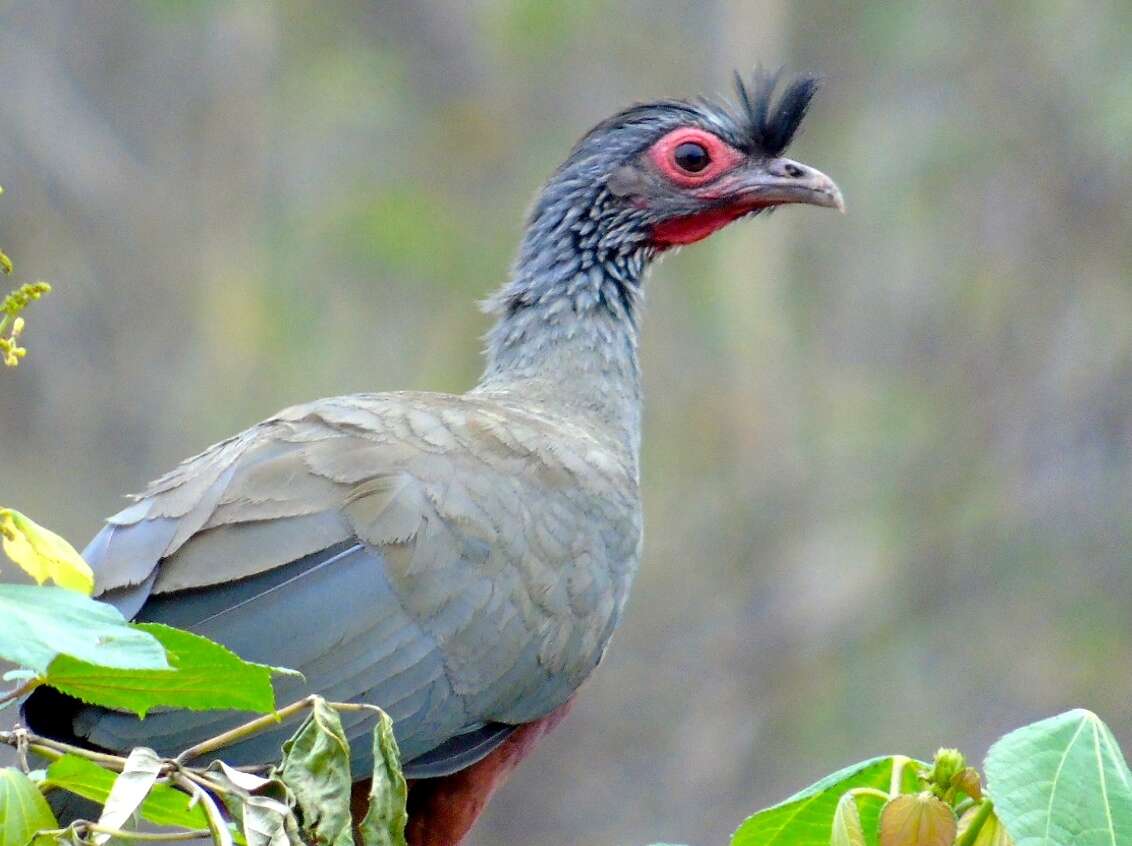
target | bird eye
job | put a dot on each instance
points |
(691, 157)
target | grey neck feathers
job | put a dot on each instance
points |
(566, 334)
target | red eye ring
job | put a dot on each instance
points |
(721, 156)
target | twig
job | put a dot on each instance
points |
(263, 723)
(83, 826)
(54, 749)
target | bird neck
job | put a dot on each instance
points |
(566, 334)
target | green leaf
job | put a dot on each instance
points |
(806, 818)
(23, 810)
(37, 624)
(163, 806)
(918, 819)
(386, 817)
(204, 676)
(129, 790)
(1060, 781)
(316, 767)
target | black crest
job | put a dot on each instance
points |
(772, 122)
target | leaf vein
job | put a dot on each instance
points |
(1056, 778)
(1104, 784)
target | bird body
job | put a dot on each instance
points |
(486, 545)
(460, 560)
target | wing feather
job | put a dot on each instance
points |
(456, 560)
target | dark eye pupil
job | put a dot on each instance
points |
(691, 157)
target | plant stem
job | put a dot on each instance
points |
(53, 749)
(869, 791)
(899, 762)
(188, 834)
(263, 723)
(977, 822)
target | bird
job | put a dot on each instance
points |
(460, 560)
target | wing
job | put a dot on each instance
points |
(458, 563)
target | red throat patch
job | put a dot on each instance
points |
(696, 227)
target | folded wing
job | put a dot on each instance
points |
(458, 564)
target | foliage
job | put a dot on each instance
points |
(1058, 781)
(808, 814)
(61, 637)
(42, 554)
(23, 810)
(1062, 780)
(164, 805)
(385, 819)
(304, 800)
(38, 624)
(11, 320)
(202, 675)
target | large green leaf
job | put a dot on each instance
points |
(316, 767)
(204, 676)
(386, 817)
(1062, 781)
(806, 818)
(23, 810)
(37, 624)
(163, 806)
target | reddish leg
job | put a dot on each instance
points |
(443, 810)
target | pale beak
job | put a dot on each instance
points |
(777, 182)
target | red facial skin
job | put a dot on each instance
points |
(724, 158)
(688, 230)
(443, 810)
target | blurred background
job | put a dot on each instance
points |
(888, 456)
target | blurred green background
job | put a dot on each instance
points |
(887, 456)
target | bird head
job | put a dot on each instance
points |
(668, 173)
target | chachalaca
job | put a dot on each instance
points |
(459, 560)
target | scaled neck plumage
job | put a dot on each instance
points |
(567, 329)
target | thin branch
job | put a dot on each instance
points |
(83, 826)
(54, 749)
(268, 721)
